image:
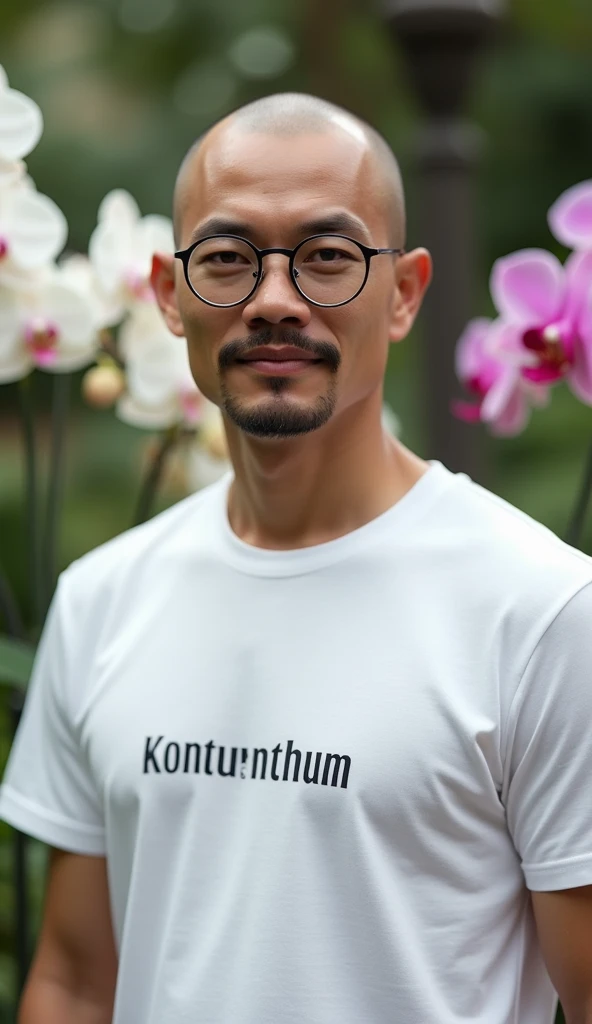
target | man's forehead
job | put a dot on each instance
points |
(304, 169)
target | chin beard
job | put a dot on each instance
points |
(277, 418)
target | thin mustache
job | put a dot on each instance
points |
(241, 347)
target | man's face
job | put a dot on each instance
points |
(276, 191)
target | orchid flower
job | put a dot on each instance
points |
(21, 123)
(546, 318)
(33, 231)
(570, 217)
(121, 249)
(503, 397)
(48, 326)
(160, 389)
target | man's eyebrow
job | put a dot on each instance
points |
(334, 223)
(219, 226)
(330, 224)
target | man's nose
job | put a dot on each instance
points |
(276, 297)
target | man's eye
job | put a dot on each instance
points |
(226, 257)
(328, 255)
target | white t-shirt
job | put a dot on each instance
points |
(324, 779)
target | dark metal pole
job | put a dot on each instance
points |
(441, 40)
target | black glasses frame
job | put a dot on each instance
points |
(367, 252)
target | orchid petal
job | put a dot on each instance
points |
(118, 205)
(528, 287)
(570, 217)
(12, 173)
(579, 376)
(21, 124)
(36, 228)
(133, 412)
(500, 395)
(470, 348)
(514, 417)
(110, 250)
(3, 78)
(578, 271)
(155, 234)
(67, 308)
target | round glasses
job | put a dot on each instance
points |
(327, 270)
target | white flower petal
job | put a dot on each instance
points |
(69, 310)
(21, 124)
(12, 172)
(110, 251)
(77, 272)
(155, 234)
(3, 78)
(68, 362)
(15, 367)
(150, 418)
(118, 205)
(10, 323)
(36, 228)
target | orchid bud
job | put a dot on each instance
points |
(103, 385)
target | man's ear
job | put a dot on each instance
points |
(162, 279)
(414, 273)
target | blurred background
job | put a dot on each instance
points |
(125, 86)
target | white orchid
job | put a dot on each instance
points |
(121, 249)
(160, 391)
(78, 271)
(48, 326)
(21, 123)
(33, 230)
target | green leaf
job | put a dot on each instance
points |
(16, 661)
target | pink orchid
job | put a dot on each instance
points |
(502, 394)
(570, 217)
(545, 329)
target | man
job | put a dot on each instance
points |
(312, 746)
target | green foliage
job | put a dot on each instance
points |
(16, 662)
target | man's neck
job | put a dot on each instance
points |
(311, 489)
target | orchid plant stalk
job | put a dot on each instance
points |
(541, 337)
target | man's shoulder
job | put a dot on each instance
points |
(509, 547)
(176, 528)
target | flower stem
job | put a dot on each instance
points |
(57, 472)
(31, 492)
(153, 477)
(573, 534)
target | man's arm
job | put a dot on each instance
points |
(564, 925)
(72, 978)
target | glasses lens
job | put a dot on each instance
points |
(222, 270)
(330, 269)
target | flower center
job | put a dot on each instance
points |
(41, 338)
(3, 248)
(549, 346)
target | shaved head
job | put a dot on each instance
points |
(290, 114)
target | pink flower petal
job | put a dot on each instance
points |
(580, 375)
(514, 417)
(528, 287)
(470, 348)
(505, 407)
(466, 411)
(570, 217)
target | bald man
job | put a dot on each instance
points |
(312, 746)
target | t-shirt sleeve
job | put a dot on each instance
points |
(549, 754)
(47, 789)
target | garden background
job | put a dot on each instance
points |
(126, 85)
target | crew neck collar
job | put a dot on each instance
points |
(257, 561)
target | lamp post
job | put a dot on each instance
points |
(441, 41)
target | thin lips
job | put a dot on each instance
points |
(277, 354)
